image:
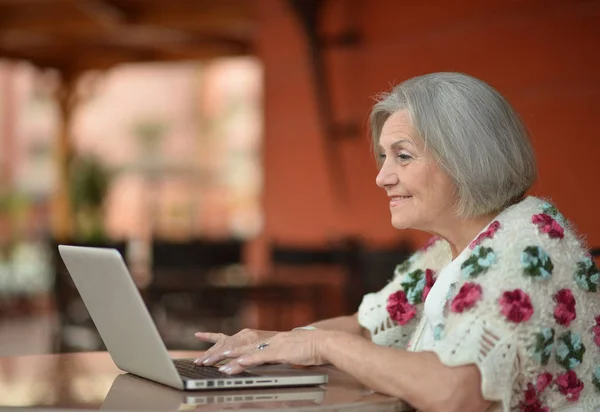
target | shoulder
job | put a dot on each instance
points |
(530, 239)
(434, 255)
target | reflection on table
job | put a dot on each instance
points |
(92, 381)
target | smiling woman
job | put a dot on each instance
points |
(498, 311)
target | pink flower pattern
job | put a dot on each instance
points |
(531, 403)
(466, 298)
(429, 282)
(543, 381)
(430, 242)
(547, 224)
(564, 312)
(399, 309)
(569, 385)
(596, 331)
(486, 234)
(516, 306)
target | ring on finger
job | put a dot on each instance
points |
(262, 346)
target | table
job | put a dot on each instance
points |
(91, 381)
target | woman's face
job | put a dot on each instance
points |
(421, 195)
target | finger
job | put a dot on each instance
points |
(217, 338)
(226, 353)
(248, 361)
(210, 337)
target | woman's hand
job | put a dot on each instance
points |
(224, 346)
(292, 348)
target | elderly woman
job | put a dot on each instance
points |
(499, 311)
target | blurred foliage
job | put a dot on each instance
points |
(90, 182)
(13, 209)
(150, 133)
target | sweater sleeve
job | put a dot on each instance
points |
(522, 317)
(392, 314)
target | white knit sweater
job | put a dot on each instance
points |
(525, 308)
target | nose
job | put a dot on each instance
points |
(386, 176)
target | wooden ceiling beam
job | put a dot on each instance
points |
(104, 13)
(61, 44)
(85, 57)
(79, 17)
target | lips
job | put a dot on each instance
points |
(398, 200)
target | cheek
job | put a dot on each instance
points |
(439, 190)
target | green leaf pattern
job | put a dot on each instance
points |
(596, 379)
(479, 262)
(536, 262)
(413, 286)
(544, 343)
(587, 275)
(402, 267)
(550, 209)
(569, 350)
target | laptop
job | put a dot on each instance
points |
(129, 392)
(132, 339)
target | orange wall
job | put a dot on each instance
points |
(544, 56)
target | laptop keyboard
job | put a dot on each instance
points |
(188, 369)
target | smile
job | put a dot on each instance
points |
(398, 200)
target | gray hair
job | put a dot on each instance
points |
(473, 133)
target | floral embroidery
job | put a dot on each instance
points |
(547, 224)
(399, 309)
(402, 267)
(430, 242)
(516, 306)
(544, 343)
(536, 262)
(429, 281)
(569, 350)
(449, 296)
(543, 381)
(596, 331)
(467, 297)
(587, 275)
(486, 234)
(551, 210)
(596, 378)
(531, 403)
(570, 385)
(479, 262)
(438, 331)
(564, 312)
(418, 284)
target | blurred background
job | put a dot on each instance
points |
(222, 147)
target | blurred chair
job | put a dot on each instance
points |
(374, 268)
(595, 252)
(311, 284)
(183, 297)
(75, 331)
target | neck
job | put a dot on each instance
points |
(460, 232)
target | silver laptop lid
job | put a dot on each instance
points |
(119, 313)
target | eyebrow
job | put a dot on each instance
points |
(396, 144)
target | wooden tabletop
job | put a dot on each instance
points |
(91, 381)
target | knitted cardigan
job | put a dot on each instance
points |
(525, 310)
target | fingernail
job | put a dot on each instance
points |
(241, 360)
(225, 369)
(197, 361)
(227, 353)
(206, 361)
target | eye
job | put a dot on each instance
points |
(381, 156)
(404, 156)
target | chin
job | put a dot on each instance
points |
(399, 224)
